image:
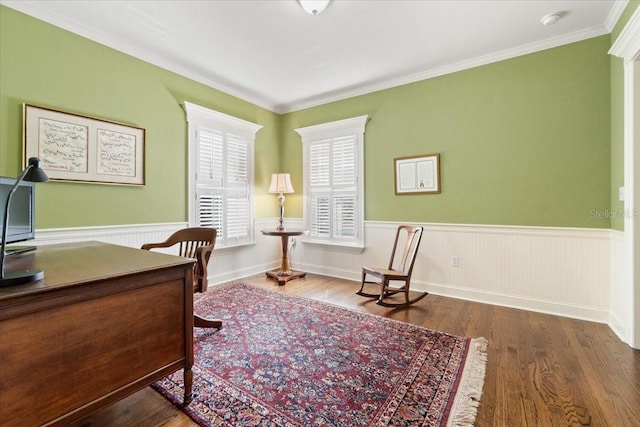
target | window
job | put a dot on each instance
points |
(221, 174)
(333, 160)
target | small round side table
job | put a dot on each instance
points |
(285, 273)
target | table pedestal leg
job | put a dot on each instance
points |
(285, 273)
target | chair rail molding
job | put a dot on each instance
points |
(132, 235)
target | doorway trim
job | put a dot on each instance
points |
(627, 47)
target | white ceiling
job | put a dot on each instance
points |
(273, 54)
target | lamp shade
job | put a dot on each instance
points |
(280, 183)
(35, 172)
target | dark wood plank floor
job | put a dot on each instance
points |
(542, 370)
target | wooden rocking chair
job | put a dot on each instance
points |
(399, 270)
(197, 243)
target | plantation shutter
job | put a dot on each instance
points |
(237, 172)
(222, 196)
(333, 190)
(221, 174)
(319, 165)
(344, 161)
(320, 216)
(344, 212)
(333, 156)
(237, 228)
(209, 194)
(237, 216)
(210, 209)
(344, 183)
(210, 158)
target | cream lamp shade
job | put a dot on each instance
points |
(280, 183)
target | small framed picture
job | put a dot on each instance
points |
(417, 174)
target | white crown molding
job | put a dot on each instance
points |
(447, 69)
(32, 9)
(615, 13)
(627, 45)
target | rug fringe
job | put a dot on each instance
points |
(466, 402)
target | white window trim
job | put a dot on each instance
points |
(198, 115)
(336, 129)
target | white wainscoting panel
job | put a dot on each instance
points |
(234, 263)
(563, 271)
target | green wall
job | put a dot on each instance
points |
(44, 65)
(522, 142)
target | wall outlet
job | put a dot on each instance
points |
(455, 261)
(621, 194)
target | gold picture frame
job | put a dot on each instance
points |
(417, 174)
(77, 148)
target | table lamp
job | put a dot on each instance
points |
(281, 183)
(32, 173)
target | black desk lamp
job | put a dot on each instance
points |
(32, 173)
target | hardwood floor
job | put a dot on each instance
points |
(542, 370)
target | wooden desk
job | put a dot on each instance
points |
(285, 273)
(105, 322)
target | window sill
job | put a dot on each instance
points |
(335, 247)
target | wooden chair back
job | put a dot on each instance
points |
(194, 242)
(405, 249)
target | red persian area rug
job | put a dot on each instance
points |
(283, 360)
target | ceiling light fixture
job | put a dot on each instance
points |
(314, 7)
(551, 18)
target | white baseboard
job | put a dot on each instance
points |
(541, 306)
